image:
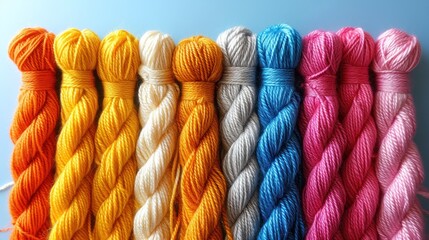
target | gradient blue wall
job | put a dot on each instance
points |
(185, 18)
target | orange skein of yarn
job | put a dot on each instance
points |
(33, 133)
(197, 64)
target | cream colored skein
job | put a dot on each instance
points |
(156, 146)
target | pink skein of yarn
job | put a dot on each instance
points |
(356, 100)
(324, 140)
(399, 166)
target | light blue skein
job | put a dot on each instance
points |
(279, 147)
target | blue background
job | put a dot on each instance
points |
(185, 18)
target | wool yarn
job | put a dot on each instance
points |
(324, 140)
(33, 132)
(356, 100)
(197, 65)
(239, 130)
(70, 199)
(156, 146)
(399, 165)
(279, 148)
(113, 200)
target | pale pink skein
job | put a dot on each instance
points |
(356, 100)
(399, 166)
(323, 138)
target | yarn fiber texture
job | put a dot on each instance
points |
(113, 200)
(70, 200)
(33, 133)
(324, 140)
(356, 101)
(157, 143)
(399, 165)
(279, 148)
(239, 130)
(197, 64)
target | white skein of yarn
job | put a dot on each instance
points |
(239, 130)
(156, 147)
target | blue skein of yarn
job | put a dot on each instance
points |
(279, 147)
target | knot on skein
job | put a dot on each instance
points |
(118, 49)
(26, 49)
(397, 54)
(197, 64)
(238, 45)
(156, 50)
(358, 53)
(320, 62)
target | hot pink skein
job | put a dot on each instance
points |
(356, 100)
(323, 137)
(399, 166)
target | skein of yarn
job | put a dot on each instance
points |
(356, 100)
(70, 198)
(156, 146)
(33, 133)
(399, 165)
(324, 140)
(239, 130)
(279, 148)
(197, 64)
(116, 138)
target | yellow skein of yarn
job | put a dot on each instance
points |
(116, 137)
(70, 198)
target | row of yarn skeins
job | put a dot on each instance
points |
(337, 161)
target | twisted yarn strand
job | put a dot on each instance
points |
(33, 133)
(197, 64)
(324, 139)
(156, 146)
(279, 148)
(356, 100)
(399, 165)
(76, 55)
(116, 137)
(239, 130)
